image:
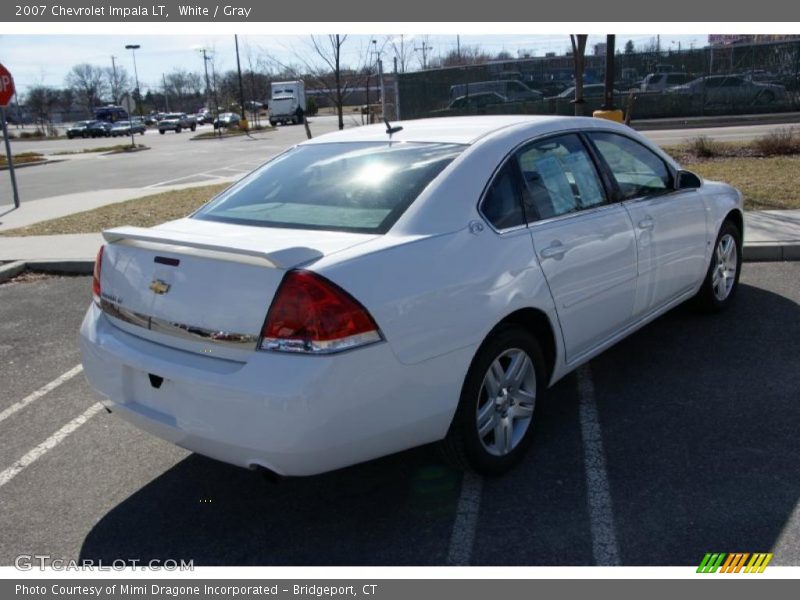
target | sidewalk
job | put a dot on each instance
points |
(54, 207)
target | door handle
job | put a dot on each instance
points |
(555, 250)
(646, 223)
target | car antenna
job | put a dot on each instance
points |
(389, 129)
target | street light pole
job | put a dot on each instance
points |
(133, 48)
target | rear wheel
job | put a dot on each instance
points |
(162, 131)
(722, 277)
(494, 422)
(177, 130)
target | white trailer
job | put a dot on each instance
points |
(287, 102)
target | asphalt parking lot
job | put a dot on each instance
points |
(681, 440)
(172, 159)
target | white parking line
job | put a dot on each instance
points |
(462, 538)
(601, 517)
(39, 393)
(47, 445)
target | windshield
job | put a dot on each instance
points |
(360, 187)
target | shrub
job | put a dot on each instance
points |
(778, 143)
(311, 106)
(704, 147)
(37, 133)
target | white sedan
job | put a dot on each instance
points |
(385, 287)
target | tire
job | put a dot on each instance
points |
(506, 408)
(193, 127)
(273, 123)
(722, 278)
(177, 130)
(70, 136)
(162, 131)
(767, 97)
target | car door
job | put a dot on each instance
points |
(670, 224)
(585, 245)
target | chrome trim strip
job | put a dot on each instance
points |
(229, 339)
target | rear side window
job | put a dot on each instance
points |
(502, 206)
(359, 186)
(637, 170)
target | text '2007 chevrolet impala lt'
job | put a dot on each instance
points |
(385, 287)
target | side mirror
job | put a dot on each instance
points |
(686, 180)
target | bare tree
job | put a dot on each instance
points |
(89, 83)
(468, 55)
(329, 49)
(119, 82)
(578, 55)
(403, 50)
(40, 101)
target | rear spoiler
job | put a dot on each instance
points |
(280, 259)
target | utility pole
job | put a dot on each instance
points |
(241, 87)
(215, 112)
(458, 47)
(383, 90)
(166, 96)
(424, 49)
(114, 89)
(396, 92)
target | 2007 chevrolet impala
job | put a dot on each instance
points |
(385, 287)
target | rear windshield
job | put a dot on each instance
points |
(360, 186)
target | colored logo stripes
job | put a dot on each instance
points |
(734, 562)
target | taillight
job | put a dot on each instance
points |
(315, 316)
(98, 266)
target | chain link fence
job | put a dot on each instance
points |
(721, 80)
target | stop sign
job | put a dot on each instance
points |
(6, 86)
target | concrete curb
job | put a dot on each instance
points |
(34, 164)
(767, 252)
(751, 253)
(11, 270)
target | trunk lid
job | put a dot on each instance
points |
(203, 286)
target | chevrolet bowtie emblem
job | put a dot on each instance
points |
(157, 286)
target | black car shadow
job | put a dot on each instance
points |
(701, 446)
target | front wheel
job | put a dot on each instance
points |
(494, 421)
(722, 278)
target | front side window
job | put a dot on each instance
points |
(559, 178)
(637, 170)
(358, 186)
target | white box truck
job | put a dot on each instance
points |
(288, 97)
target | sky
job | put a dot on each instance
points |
(47, 58)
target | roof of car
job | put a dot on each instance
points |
(453, 130)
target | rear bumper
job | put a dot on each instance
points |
(295, 415)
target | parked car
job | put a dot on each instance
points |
(477, 104)
(99, 129)
(658, 82)
(591, 90)
(513, 90)
(380, 288)
(79, 129)
(124, 128)
(176, 122)
(730, 89)
(227, 120)
(204, 116)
